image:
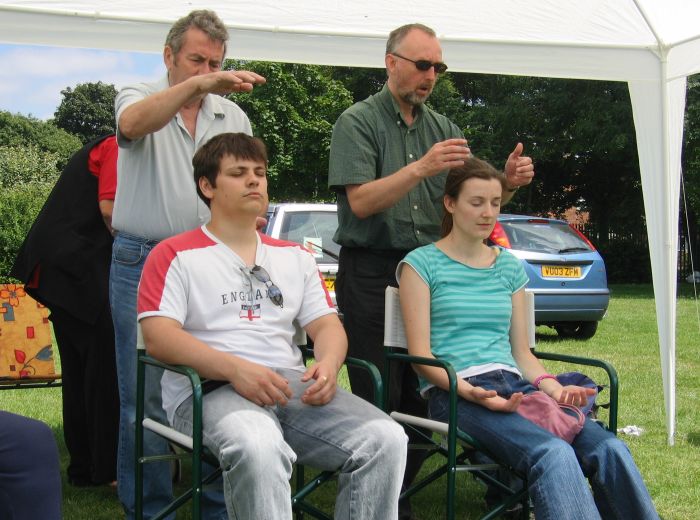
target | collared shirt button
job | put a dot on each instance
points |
(415, 207)
(410, 155)
(417, 231)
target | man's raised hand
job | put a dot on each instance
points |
(519, 169)
(226, 81)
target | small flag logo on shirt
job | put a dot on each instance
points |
(250, 312)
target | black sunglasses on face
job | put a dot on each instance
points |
(272, 290)
(424, 65)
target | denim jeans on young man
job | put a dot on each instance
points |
(257, 447)
(129, 253)
(556, 470)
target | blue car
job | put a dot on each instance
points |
(567, 274)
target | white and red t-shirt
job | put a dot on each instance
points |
(198, 281)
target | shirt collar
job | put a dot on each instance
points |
(211, 104)
(388, 101)
(260, 252)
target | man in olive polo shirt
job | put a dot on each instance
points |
(388, 162)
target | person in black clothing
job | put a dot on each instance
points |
(64, 262)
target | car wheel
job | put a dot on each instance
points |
(577, 330)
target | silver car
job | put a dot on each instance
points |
(313, 226)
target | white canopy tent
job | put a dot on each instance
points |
(653, 45)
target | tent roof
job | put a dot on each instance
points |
(561, 38)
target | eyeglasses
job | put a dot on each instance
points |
(424, 65)
(272, 290)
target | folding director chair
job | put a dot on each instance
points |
(191, 446)
(450, 436)
(26, 351)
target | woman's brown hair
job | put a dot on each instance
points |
(472, 168)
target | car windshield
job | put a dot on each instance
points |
(314, 230)
(544, 237)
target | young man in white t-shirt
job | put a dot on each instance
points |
(223, 299)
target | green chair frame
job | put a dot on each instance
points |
(192, 447)
(451, 437)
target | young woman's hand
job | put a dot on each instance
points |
(572, 394)
(491, 400)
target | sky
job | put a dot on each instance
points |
(33, 76)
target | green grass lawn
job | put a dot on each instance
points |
(627, 338)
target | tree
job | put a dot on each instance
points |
(691, 168)
(32, 154)
(87, 111)
(691, 149)
(21, 165)
(18, 131)
(27, 176)
(362, 82)
(294, 114)
(580, 134)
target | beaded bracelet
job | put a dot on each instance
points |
(539, 379)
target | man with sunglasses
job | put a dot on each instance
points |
(389, 159)
(223, 299)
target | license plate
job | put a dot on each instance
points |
(559, 271)
(330, 282)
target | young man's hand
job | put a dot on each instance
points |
(323, 389)
(259, 384)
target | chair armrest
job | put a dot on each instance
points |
(433, 362)
(192, 443)
(197, 394)
(189, 372)
(613, 381)
(186, 371)
(453, 431)
(374, 374)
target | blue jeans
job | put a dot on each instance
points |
(257, 447)
(129, 253)
(556, 471)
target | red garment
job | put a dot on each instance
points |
(102, 163)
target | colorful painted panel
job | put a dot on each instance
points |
(26, 350)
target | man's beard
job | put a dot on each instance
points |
(413, 98)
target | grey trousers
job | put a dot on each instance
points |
(257, 447)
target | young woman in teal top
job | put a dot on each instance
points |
(464, 302)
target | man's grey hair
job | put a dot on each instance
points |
(397, 35)
(204, 20)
